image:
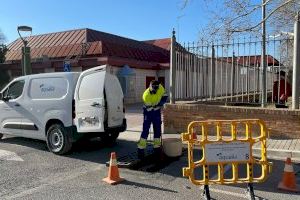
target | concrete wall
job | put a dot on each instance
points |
(283, 123)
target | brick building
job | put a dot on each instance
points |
(135, 63)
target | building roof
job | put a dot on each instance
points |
(87, 43)
(253, 60)
(162, 43)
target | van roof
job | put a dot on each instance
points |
(41, 75)
(65, 74)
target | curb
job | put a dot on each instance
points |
(279, 154)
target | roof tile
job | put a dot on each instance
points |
(69, 43)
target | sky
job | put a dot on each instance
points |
(135, 19)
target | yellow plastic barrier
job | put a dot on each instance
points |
(224, 150)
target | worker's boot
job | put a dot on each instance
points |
(141, 154)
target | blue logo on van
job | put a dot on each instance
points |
(46, 88)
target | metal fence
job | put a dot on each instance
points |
(231, 71)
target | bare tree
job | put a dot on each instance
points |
(232, 17)
(4, 76)
(3, 48)
(2, 38)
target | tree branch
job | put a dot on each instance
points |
(267, 17)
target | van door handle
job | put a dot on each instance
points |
(17, 105)
(95, 104)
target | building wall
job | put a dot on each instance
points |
(76, 69)
(49, 70)
(138, 83)
(167, 80)
(141, 75)
(282, 122)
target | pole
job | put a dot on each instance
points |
(296, 64)
(172, 68)
(23, 61)
(206, 193)
(263, 58)
(232, 76)
(250, 192)
(26, 63)
(213, 72)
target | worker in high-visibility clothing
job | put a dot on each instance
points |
(154, 98)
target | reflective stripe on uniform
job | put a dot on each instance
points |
(156, 143)
(157, 108)
(142, 143)
(149, 109)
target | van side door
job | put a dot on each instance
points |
(89, 101)
(11, 111)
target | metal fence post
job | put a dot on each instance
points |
(263, 59)
(213, 72)
(172, 68)
(296, 64)
(232, 76)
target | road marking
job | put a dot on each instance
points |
(9, 155)
(229, 193)
(242, 196)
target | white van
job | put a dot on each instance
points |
(62, 107)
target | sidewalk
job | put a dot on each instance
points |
(281, 149)
(276, 148)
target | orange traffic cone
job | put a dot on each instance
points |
(289, 179)
(113, 171)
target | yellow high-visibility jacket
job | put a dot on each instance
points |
(153, 99)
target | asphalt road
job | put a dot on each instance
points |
(29, 171)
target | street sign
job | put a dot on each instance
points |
(227, 152)
(67, 66)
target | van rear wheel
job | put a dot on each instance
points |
(109, 138)
(58, 139)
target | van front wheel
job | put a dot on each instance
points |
(58, 139)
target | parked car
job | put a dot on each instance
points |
(62, 107)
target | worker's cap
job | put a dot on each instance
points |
(154, 84)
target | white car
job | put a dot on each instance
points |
(62, 107)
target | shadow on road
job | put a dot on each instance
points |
(32, 143)
(88, 150)
(140, 185)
